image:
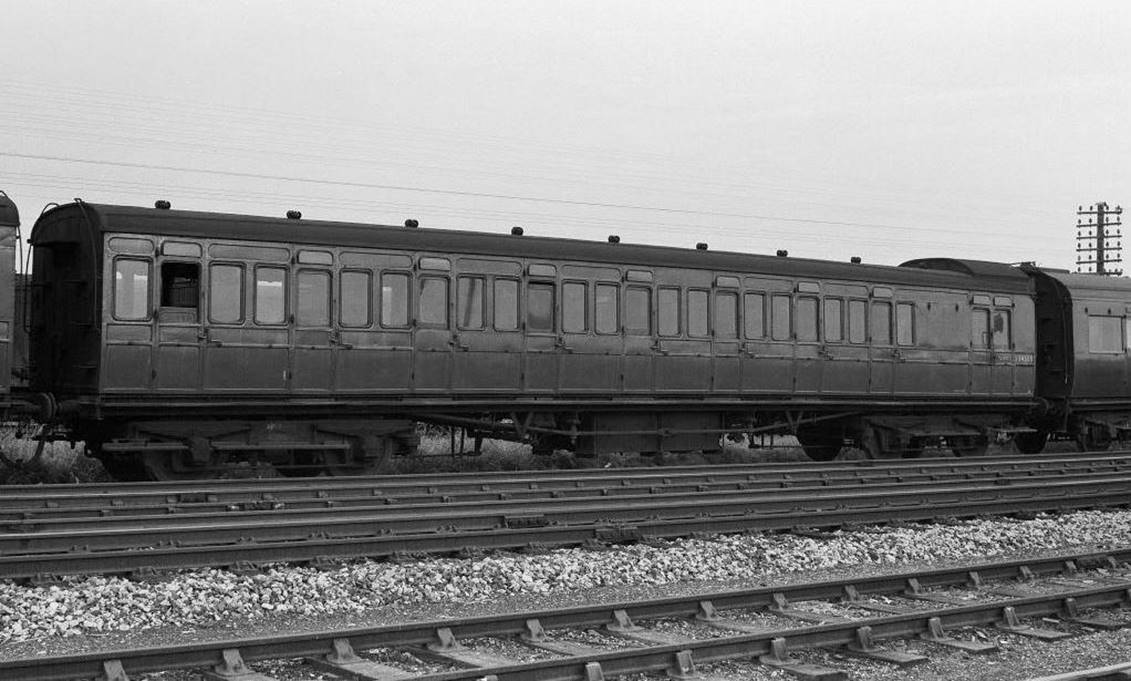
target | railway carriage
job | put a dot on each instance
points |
(175, 342)
(9, 238)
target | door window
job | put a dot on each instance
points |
(394, 300)
(638, 311)
(667, 311)
(726, 314)
(574, 297)
(606, 308)
(313, 307)
(469, 303)
(506, 304)
(540, 308)
(698, 322)
(131, 289)
(433, 302)
(355, 291)
(225, 294)
(270, 295)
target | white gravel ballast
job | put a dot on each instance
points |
(92, 605)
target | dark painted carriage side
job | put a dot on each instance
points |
(1083, 360)
(161, 325)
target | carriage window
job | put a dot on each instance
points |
(834, 322)
(469, 303)
(1002, 332)
(131, 289)
(180, 284)
(807, 319)
(667, 311)
(433, 302)
(1105, 334)
(857, 313)
(506, 304)
(638, 311)
(313, 307)
(905, 324)
(753, 313)
(574, 295)
(540, 307)
(270, 295)
(394, 300)
(225, 294)
(881, 323)
(606, 308)
(726, 315)
(355, 291)
(780, 322)
(980, 328)
(698, 324)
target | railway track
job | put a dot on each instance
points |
(31, 502)
(42, 547)
(933, 612)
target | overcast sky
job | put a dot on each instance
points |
(889, 130)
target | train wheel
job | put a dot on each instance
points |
(969, 445)
(1030, 443)
(820, 445)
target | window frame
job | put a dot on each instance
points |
(660, 315)
(706, 293)
(368, 274)
(747, 318)
(418, 307)
(329, 310)
(788, 309)
(873, 306)
(616, 330)
(406, 275)
(242, 268)
(541, 285)
(286, 298)
(899, 326)
(584, 306)
(482, 302)
(518, 317)
(148, 262)
(736, 315)
(827, 317)
(816, 309)
(649, 314)
(161, 294)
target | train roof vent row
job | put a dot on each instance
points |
(162, 204)
(294, 215)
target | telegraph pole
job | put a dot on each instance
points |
(1093, 235)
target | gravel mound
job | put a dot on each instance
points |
(88, 605)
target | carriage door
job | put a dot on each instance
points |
(178, 352)
(315, 339)
(590, 356)
(726, 347)
(809, 360)
(486, 336)
(981, 346)
(884, 354)
(433, 343)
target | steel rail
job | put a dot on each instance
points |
(319, 644)
(78, 503)
(513, 525)
(163, 493)
(318, 509)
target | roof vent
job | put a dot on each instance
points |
(294, 215)
(162, 204)
(855, 260)
(782, 253)
(701, 246)
(516, 231)
(411, 224)
(614, 239)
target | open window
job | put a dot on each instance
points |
(180, 292)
